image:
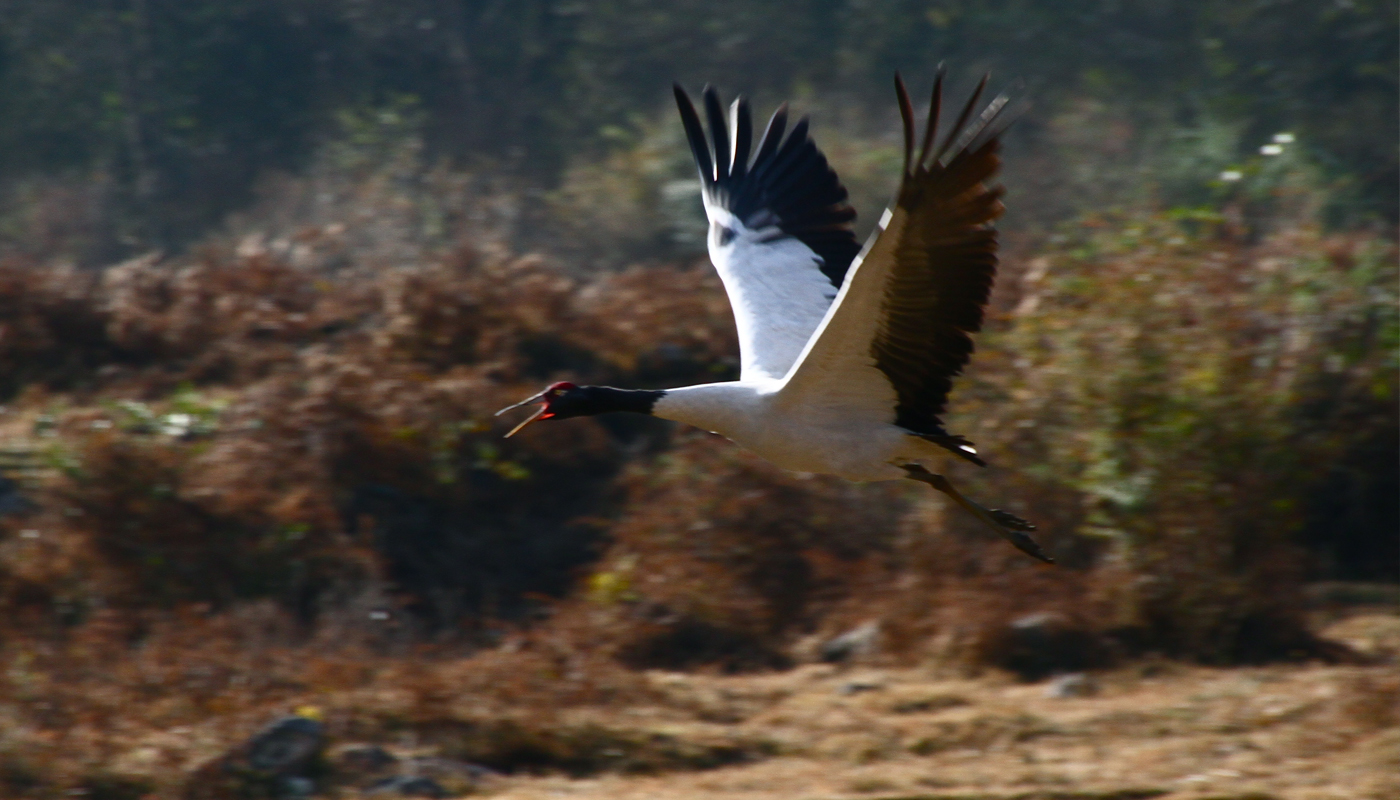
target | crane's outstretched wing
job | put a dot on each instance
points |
(780, 229)
(900, 329)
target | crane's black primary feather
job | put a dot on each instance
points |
(906, 117)
(788, 184)
(944, 265)
(719, 134)
(741, 131)
(935, 104)
(699, 145)
(772, 135)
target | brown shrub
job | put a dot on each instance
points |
(50, 330)
(720, 558)
(1192, 393)
(267, 433)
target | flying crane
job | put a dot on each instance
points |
(847, 353)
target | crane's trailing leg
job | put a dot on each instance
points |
(1010, 526)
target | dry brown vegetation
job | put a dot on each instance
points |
(256, 479)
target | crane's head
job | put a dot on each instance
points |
(558, 401)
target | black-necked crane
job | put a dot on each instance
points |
(847, 353)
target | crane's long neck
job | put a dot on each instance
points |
(606, 399)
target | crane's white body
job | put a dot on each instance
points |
(809, 397)
(761, 417)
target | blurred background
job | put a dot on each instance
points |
(268, 266)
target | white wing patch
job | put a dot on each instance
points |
(776, 289)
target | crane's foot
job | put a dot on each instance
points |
(1026, 545)
(1009, 526)
(1008, 520)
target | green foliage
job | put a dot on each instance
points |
(172, 105)
(154, 118)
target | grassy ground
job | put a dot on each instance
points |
(1155, 729)
(1299, 732)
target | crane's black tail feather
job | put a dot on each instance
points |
(958, 445)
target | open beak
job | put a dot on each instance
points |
(539, 398)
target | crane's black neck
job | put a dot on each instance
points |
(638, 401)
(587, 401)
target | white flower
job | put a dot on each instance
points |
(177, 424)
(1271, 149)
(1283, 138)
(1231, 175)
